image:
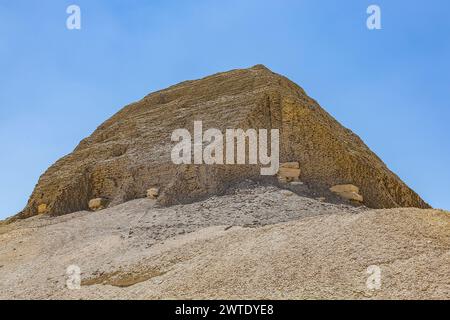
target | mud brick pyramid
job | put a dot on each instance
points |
(130, 152)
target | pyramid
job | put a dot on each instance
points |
(131, 152)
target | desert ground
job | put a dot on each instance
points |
(253, 242)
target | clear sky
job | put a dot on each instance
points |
(390, 86)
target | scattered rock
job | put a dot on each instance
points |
(98, 204)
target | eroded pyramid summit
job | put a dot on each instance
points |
(131, 151)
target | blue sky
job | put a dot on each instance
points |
(390, 86)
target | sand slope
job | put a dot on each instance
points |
(281, 245)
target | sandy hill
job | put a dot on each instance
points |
(280, 245)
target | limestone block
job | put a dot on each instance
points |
(97, 204)
(289, 171)
(42, 208)
(348, 191)
(153, 193)
(351, 196)
(344, 188)
(290, 165)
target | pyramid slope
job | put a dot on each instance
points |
(130, 152)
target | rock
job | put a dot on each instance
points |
(344, 188)
(351, 196)
(134, 147)
(287, 193)
(42, 208)
(347, 191)
(296, 183)
(97, 204)
(153, 193)
(290, 165)
(288, 172)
